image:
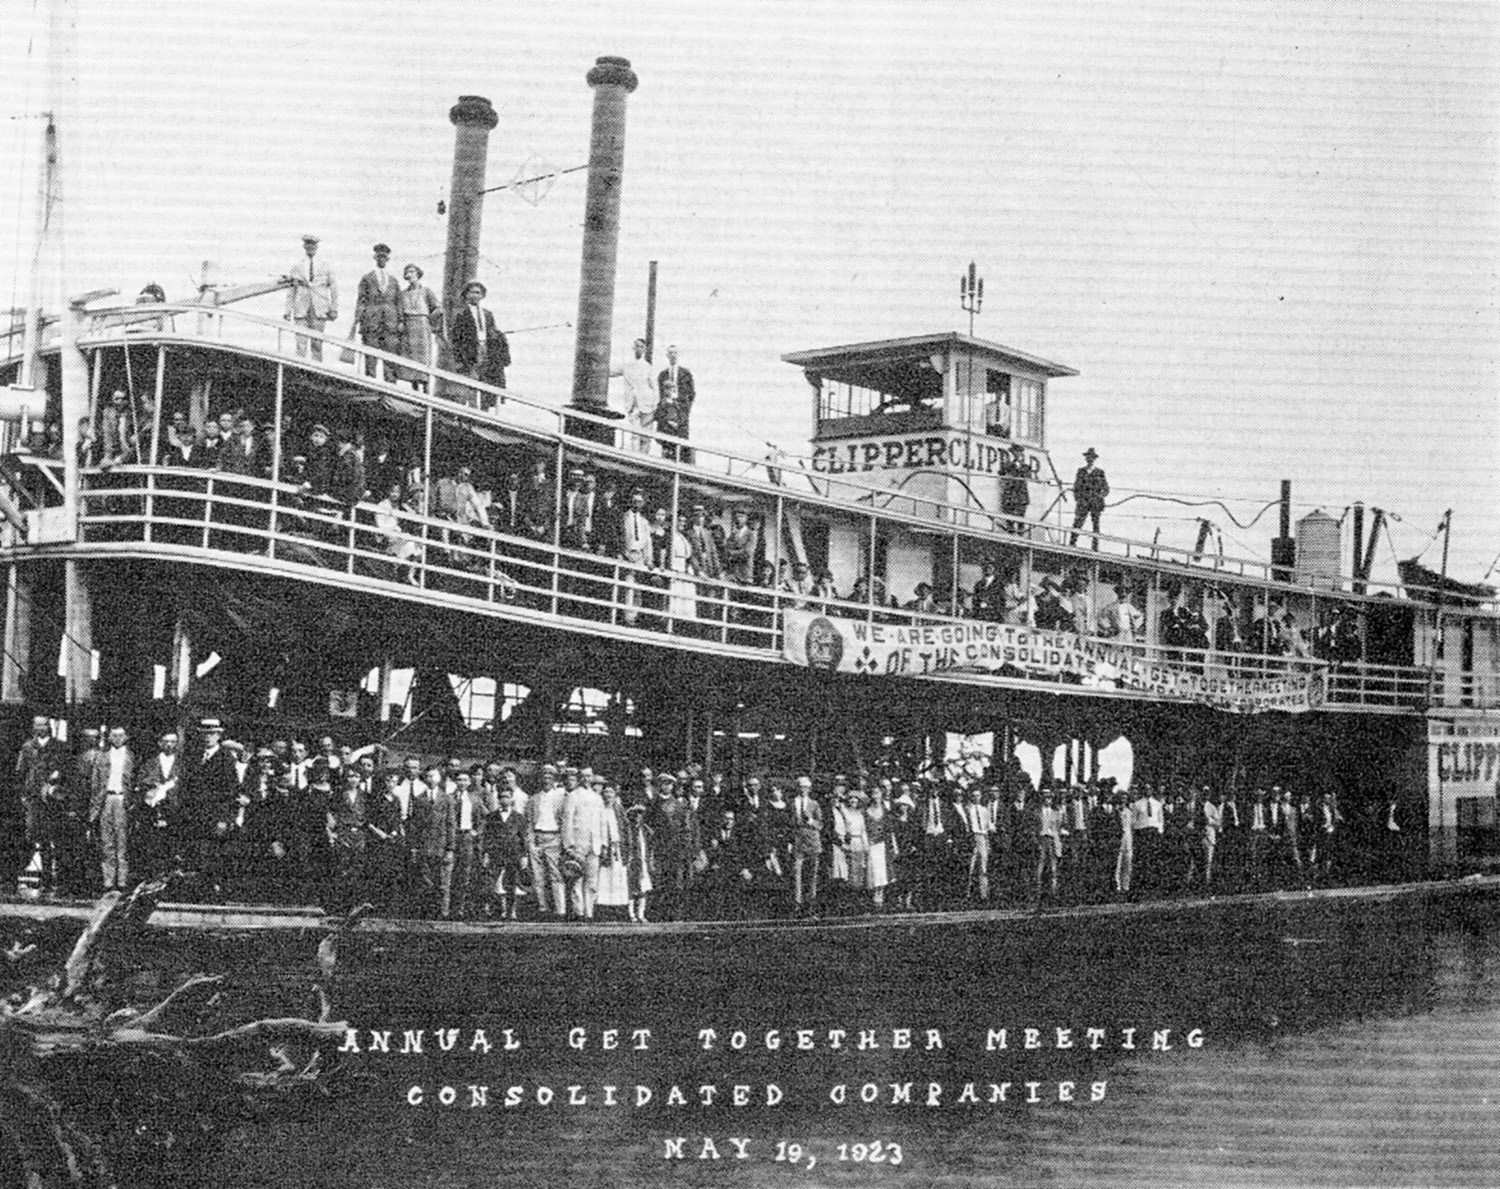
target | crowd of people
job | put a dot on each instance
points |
(707, 563)
(441, 838)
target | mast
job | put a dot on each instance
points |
(62, 86)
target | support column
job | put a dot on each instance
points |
(16, 669)
(383, 687)
(78, 642)
(182, 661)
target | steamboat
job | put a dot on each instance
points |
(155, 595)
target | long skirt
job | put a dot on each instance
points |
(416, 344)
(614, 883)
(879, 875)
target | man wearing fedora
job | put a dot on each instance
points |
(377, 309)
(313, 300)
(1015, 493)
(480, 349)
(1090, 488)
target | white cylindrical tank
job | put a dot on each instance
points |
(1319, 548)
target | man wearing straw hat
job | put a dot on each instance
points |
(480, 349)
(313, 300)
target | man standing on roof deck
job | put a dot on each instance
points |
(313, 300)
(480, 349)
(635, 548)
(1090, 488)
(1015, 491)
(640, 397)
(377, 310)
(674, 406)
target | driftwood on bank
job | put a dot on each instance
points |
(74, 1018)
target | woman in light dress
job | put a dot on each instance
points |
(614, 879)
(398, 543)
(421, 318)
(1125, 860)
(638, 860)
(877, 831)
(852, 862)
(682, 593)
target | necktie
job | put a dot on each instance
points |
(309, 270)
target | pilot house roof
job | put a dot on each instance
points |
(882, 364)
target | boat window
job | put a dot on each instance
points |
(1026, 404)
(997, 406)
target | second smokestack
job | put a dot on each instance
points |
(612, 80)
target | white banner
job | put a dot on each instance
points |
(853, 646)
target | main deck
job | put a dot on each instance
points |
(1351, 645)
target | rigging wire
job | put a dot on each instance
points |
(1200, 504)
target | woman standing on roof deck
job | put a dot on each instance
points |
(421, 318)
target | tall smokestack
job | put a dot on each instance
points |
(612, 80)
(474, 118)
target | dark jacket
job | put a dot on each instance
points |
(463, 336)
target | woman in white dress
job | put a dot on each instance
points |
(682, 593)
(852, 841)
(614, 879)
(878, 833)
(638, 861)
(398, 543)
(1125, 861)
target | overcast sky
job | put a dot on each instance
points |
(1266, 234)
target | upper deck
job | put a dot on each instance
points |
(909, 572)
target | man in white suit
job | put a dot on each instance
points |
(313, 300)
(635, 548)
(583, 841)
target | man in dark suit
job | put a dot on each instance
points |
(211, 801)
(1090, 488)
(674, 406)
(504, 853)
(480, 349)
(156, 813)
(346, 835)
(989, 595)
(377, 309)
(40, 756)
(432, 836)
(74, 860)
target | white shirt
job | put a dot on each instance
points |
(548, 803)
(466, 812)
(116, 783)
(639, 389)
(407, 788)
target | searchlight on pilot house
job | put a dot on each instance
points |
(934, 417)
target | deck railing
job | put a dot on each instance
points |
(229, 518)
(512, 412)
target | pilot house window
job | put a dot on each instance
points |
(997, 403)
(1026, 402)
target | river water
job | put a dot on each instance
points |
(1340, 1044)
